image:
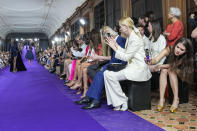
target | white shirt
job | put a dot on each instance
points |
(157, 47)
(83, 47)
(75, 53)
(147, 42)
(79, 53)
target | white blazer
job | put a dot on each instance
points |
(134, 54)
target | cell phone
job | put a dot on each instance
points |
(108, 35)
(147, 55)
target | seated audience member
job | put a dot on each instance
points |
(158, 42)
(73, 54)
(149, 16)
(1, 63)
(64, 56)
(135, 70)
(93, 95)
(54, 60)
(142, 21)
(80, 53)
(95, 48)
(146, 40)
(179, 64)
(175, 30)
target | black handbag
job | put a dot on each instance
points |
(115, 67)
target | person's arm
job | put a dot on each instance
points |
(132, 47)
(163, 53)
(100, 58)
(194, 33)
(160, 67)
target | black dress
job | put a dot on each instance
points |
(19, 62)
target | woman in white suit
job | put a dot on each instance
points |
(136, 68)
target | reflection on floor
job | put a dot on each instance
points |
(185, 119)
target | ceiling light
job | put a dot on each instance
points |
(53, 42)
(35, 39)
(56, 39)
(82, 21)
(68, 33)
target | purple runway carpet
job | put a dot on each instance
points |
(36, 100)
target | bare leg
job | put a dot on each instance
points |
(64, 66)
(14, 64)
(78, 82)
(174, 85)
(85, 82)
(66, 69)
(77, 66)
(162, 85)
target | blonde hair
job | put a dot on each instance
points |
(107, 29)
(127, 21)
(106, 49)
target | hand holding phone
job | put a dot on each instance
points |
(147, 55)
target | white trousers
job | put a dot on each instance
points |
(114, 93)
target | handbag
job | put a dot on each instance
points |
(115, 67)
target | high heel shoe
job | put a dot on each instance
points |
(76, 86)
(160, 108)
(117, 108)
(173, 108)
(70, 83)
(63, 76)
(79, 92)
(124, 107)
